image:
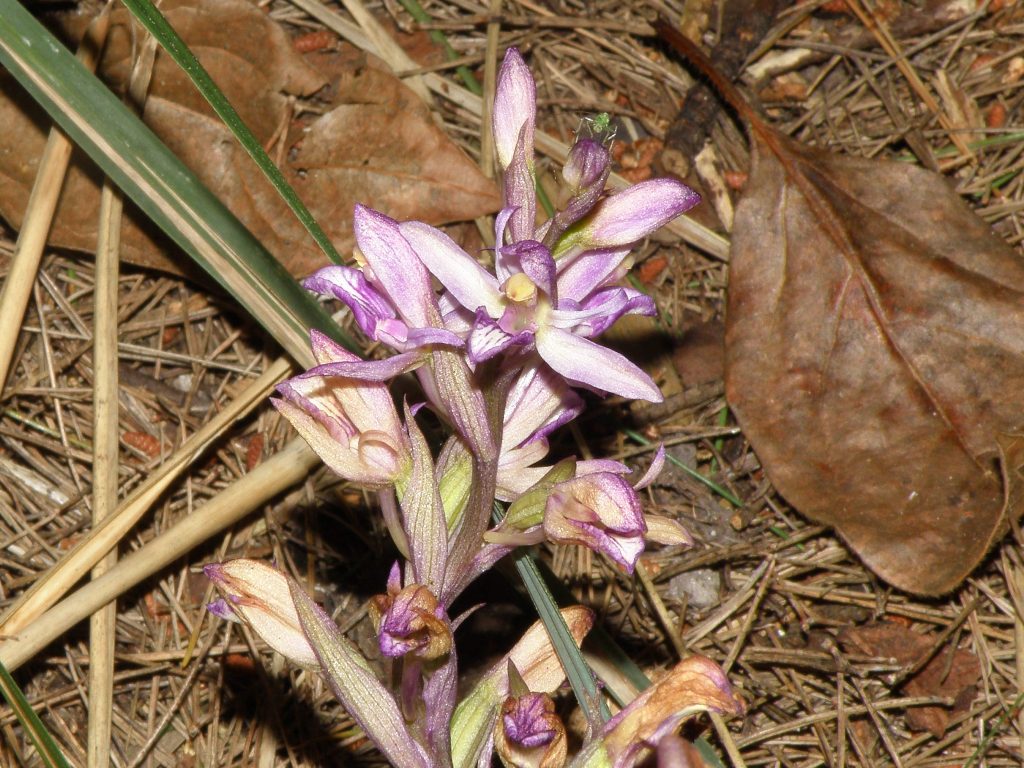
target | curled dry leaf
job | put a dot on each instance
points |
(875, 355)
(694, 685)
(394, 159)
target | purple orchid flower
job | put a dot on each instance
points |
(390, 296)
(410, 620)
(524, 305)
(344, 411)
(600, 511)
(539, 403)
(259, 595)
(529, 733)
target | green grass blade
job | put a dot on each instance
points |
(154, 21)
(576, 669)
(159, 184)
(48, 750)
(465, 74)
(723, 492)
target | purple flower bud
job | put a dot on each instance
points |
(586, 165)
(515, 110)
(529, 734)
(631, 215)
(599, 511)
(352, 424)
(261, 596)
(410, 620)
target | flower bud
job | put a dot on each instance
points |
(529, 734)
(599, 511)
(351, 424)
(261, 596)
(515, 109)
(586, 165)
(628, 216)
(410, 620)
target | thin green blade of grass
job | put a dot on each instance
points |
(723, 492)
(170, 41)
(576, 669)
(465, 74)
(545, 589)
(159, 183)
(48, 750)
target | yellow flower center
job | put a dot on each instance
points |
(520, 288)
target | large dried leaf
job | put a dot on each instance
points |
(406, 166)
(875, 354)
(380, 146)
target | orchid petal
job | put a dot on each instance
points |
(488, 339)
(369, 306)
(398, 335)
(601, 512)
(395, 267)
(665, 530)
(601, 310)
(470, 284)
(515, 107)
(260, 595)
(634, 213)
(520, 193)
(356, 368)
(327, 350)
(580, 275)
(583, 361)
(594, 466)
(350, 422)
(657, 464)
(537, 264)
(347, 456)
(538, 403)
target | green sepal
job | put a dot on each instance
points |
(528, 510)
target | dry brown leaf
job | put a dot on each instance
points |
(379, 146)
(875, 355)
(952, 674)
(407, 167)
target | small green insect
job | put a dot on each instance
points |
(599, 127)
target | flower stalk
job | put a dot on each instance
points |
(499, 354)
